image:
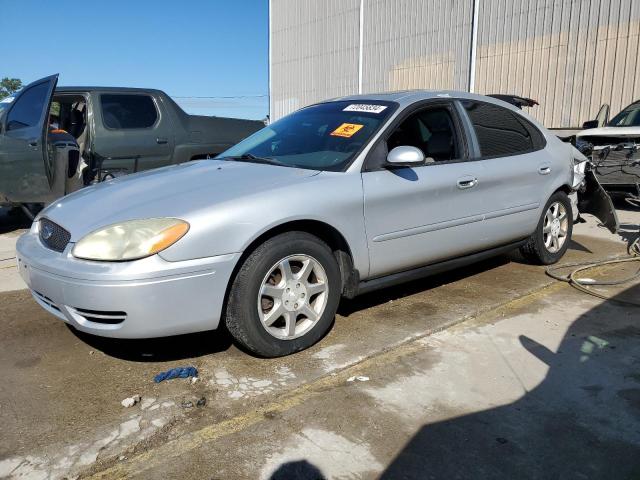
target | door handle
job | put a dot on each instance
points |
(468, 182)
(161, 140)
(33, 143)
(544, 170)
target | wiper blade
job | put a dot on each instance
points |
(250, 157)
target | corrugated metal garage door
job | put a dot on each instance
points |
(570, 55)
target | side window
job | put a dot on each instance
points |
(125, 111)
(54, 115)
(432, 130)
(27, 110)
(500, 131)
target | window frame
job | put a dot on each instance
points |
(371, 165)
(527, 125)
(132, 94)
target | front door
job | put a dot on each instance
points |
(417, 216)
(26, 166)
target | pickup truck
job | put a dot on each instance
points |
(56, 140)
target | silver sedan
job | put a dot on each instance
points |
(336, 199)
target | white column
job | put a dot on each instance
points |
(361, 44)
(474, 47)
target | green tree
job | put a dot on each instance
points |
(9, 85)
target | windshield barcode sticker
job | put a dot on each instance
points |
(364, 107)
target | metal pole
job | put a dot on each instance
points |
(361, 44)
(474, 47)
(269, 68)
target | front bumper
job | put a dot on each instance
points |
(145, 298)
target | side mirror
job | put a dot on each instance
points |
(405, 156)
(590, 124)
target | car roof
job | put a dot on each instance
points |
(70, 89)
(407, 97)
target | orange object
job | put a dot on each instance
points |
(346, 130)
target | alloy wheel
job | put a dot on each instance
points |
(293, 296)
(555, 227)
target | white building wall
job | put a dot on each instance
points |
(570, 55)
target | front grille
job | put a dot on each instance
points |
(53, 235)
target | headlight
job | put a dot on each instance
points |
(131, 240)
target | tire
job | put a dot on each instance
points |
(540, 246)
(262, 323)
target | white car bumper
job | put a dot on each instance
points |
(145, 298)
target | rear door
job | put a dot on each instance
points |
(26, 166)
(133, 132)
(517, 170)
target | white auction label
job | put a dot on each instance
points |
(7, 100)
(364, 107)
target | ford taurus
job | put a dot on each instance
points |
(334, 200)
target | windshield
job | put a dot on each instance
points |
(326, 136)
(629, 117)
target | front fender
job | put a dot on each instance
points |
(332, 198)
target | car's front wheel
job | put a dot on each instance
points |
(551, 239)
(285, 295)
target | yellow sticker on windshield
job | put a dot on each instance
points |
(346, 130)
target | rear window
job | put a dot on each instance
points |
(501, 132)
(127, 111)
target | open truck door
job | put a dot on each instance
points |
(27, 163)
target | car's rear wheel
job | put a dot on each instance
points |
(551, 239)
(284, 296)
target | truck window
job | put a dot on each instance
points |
(27, 110)
(125, 111)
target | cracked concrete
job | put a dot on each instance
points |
(62, 390)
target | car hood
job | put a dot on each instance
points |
(180, 191)
(610, 132)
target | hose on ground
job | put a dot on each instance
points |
(582, 283)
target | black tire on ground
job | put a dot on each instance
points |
(535, 250)
(242, 319)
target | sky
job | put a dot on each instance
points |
(188, 48)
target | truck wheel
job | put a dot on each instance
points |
(285, 295)
(551, 239)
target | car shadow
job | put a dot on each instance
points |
(163, 349)
(577, 423)
(368, 300)
(12, 220)
(574, 245)
(629, 232)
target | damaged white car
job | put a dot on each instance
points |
(614, 148)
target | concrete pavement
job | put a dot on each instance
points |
(60, 403)
(545, 387)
